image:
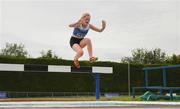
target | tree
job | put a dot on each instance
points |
(14, 50)
(174, 59)
(48, 55)
(143, 56)
(138, 56)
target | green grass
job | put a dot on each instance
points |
(120, 98)
(78, 98)
(73, 98)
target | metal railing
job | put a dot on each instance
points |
(13, 94)
(47, 94)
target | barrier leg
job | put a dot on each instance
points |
(133, 92)
(97, 86)
(171, 94)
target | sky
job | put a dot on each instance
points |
(131, 24)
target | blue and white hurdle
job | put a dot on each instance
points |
(59, 68)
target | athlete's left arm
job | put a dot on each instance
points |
(98, 29)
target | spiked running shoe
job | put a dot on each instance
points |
(76, 63)
(93, 59)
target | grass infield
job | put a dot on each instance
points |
(72, 98)
(78, 98)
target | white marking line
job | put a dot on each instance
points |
(102, 70)
(57, 68)
(11, 67)
(83, 103)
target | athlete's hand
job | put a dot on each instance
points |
(103, 24)
(79, 23)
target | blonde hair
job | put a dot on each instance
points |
(85, 15)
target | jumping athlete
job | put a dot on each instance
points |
(78, 40)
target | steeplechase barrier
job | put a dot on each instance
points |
(97, 70)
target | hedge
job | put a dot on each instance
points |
(68, 82)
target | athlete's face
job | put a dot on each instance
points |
(86, 20)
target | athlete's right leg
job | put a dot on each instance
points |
(79, 53)
(78, 50)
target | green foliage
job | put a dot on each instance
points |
(117, 82)
(48, 55)
(28, 81)
(174, 59)
(143, 56)
(14, 50)
(70, 82)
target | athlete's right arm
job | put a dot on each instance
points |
(76, 24)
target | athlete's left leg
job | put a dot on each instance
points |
(87, 42)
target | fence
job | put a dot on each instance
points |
(12, 94)
(47, 94)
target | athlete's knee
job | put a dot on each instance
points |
(88, 40)
(80, 52)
